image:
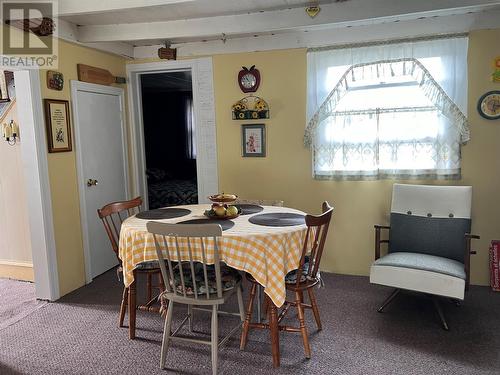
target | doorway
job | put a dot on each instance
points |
(203, 119)
(169, 138)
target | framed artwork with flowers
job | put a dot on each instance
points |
(253, 140)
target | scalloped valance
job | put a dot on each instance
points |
(390, 68)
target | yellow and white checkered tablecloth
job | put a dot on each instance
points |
(267, 253)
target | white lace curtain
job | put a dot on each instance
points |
(419, 137)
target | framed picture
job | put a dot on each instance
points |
(253, 138)
(57, 122)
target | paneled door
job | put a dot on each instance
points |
(101, 151)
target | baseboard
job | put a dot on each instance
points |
(17, 270)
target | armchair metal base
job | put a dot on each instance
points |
(435, 300)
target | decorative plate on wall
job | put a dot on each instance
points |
(488, 105)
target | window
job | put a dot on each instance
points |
(387, 119)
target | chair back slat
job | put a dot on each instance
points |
(318, 227)
(180, 234)
(205, 272)
(169, 262)
(115, 210)
(180, 266)
(191, 267)
(163, 268)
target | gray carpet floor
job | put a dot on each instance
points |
(17, 300)
(79, 335)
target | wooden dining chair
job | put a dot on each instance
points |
(195, 282)
(112, 215)
(298, 281)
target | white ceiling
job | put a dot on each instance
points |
(132, 24)
(180, 10)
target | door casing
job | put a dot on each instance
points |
(204, 121)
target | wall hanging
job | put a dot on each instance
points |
(488, 105)
(250, 108)
(55, 80)
(249, 79)
(495, 77)
(253, 140)
(57, 122)
(91, 74)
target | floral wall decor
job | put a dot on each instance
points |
(250, 108)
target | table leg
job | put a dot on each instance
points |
(274, 329)
(132, 309)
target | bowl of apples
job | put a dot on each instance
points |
(222, 211)
(222, 207)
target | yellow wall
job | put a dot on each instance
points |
(62, 168)
(286, 172)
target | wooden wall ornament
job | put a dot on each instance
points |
(249, 79)
(91, 74)
(167, 53)
(55, 80)
(250, 108)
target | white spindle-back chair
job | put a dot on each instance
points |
(180, 293)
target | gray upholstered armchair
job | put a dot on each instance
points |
(429, 243)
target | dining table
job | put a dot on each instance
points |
(264, 241)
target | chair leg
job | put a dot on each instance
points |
(248, 317)
(389, 300)
(167, 329)
(215, 339)
(190, 318)
(241, 305)
(132, 309)
(440, 313)
(302, 323)
(123, 307)
(274, 331)
(265, 306)
(149, 287)
(259, 304)
(315, 308)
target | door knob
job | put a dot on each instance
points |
(92, 182)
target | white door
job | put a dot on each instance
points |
(98, 113)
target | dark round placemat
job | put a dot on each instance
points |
(163, 213)
(225, 224)
(278, 219)
(248, 209)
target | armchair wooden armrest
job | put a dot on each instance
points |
(468, 251)
(378, 241)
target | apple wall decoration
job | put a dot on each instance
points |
(249, 79)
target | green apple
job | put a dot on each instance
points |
(232, 211)
(220, 211)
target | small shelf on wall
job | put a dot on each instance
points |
(250, 108)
